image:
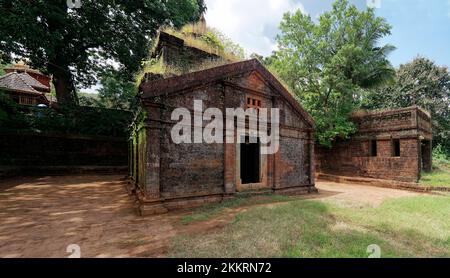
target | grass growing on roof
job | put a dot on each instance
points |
(207, 41)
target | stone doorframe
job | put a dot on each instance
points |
(263, 168)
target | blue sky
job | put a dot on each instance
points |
(420, 27)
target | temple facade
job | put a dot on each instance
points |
(167, 175)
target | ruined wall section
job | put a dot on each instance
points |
(174, 52)
(354, 157)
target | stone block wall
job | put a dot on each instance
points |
(353, 157)
(39, 153)
(190, 174)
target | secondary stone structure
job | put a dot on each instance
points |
(392, 144)
(175, 52)
(166, 175)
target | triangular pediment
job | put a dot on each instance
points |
(259, 77)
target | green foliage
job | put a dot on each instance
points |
(157, 66)
(209, 40)
(116, 93)
(440, 174)
(326, 228)
(10, 115)
(71, 43)
(440, 155)
(328, 64)
(439, 177)
(88, 99)
(2, 69)
(228, 45)
(198, 36)
(218, 41)
(73, 120)
(423, 83)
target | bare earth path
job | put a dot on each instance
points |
(40, 217)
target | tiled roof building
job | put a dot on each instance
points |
(25, 86)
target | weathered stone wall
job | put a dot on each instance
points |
(175, 52)
(201, 169)
(190, 174)
(353, 157)
(141, 152)
(294, 162)
(28, 151)
(188, 169)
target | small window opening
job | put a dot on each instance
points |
(396, 147)
(253, 103)
(373, 147)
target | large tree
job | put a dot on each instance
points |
(75, 44)
(116, 93)
(328, 62)
(422, 83)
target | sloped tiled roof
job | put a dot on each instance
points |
(20, 82)
(32, 82)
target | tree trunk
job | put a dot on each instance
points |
(63, 82)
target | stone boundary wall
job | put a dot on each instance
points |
(28, 153)
(409, 186)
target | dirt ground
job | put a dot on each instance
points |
(41, 217)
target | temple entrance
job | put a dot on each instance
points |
(426, 160)
(250, 161)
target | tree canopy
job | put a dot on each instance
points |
(328, 62)
(2, 69)
(75, 45)
(116, 93)
(422, 83)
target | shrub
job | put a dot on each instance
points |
(440, 156)
(79, 120)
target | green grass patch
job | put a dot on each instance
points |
(406, 227)
(210, 211)
(439, 177)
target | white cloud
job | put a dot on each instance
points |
(251, 23)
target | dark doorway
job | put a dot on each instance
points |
(250, 161)
(426, 160)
